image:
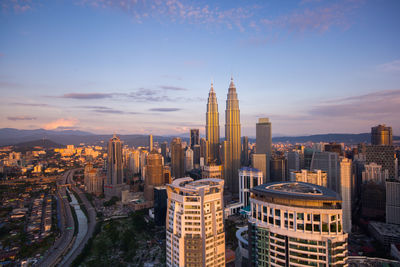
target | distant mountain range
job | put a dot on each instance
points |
(9, 136)
(31, 145)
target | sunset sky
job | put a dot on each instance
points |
(142, 66)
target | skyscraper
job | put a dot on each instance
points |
(150, 142)
(164, 151)
(177, 158)
(212, 126)
(154, 174)
(195, 233)
(248, 178)
(317, 177)
(188, 160)
(345, 192)
(264, 143)
(194, 137)
(381, 135)
(232, 136)
(114, 162)
(296, 224)
(393, 201)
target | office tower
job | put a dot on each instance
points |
(345, 192)
(283, 232)
(114, 167)
(212, 126)
(196, 156)
(385, 156)
(212, 171)
(263, 136)
(308, 155)
(133, 161)
(160, 205)
(188, 160)
(259, 161)
(154, 174)
(177, 158)
(393, 201)
(204, 151)
(318, 147)
(195, 226)
(381, 135)
(328, 162)
(245, 151)
(264, 143)
(150, 142)
(232, 136)
(248, 178)
(373, 173)
(317, 177)
(94, 183)
(277, 168)
(194, 137)
(293, 161)
(164, 151)
(333, 147)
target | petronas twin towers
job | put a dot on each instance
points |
(231, 145)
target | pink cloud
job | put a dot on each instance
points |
(18, 6)
(61, 123)
(392, 66)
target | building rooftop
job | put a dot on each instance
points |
(296, 190)
(386, 229)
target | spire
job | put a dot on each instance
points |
(232, 85)
(212, 87)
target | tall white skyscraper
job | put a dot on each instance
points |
(195, 233)
(188, 159)
(248, 178)
(345, 192)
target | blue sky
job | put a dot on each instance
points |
(142, 66)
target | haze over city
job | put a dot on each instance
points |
(147, 66)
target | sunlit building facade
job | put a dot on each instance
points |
(195, 233)
(296, 224)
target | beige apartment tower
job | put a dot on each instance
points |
(212, 126)
(232, 136)
(195, 233)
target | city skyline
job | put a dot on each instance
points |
(310, 66)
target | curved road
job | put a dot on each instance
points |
(63, 244)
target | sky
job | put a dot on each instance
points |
(146, 66)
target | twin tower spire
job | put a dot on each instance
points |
(231, 146)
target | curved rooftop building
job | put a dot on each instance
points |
(296, 224)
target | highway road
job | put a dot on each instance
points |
(62, 244)
(91, 221)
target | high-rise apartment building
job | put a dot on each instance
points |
(195, 233)
(393, 201)
(177, 158)
(94, 182)
(381, 135)
(296, 224)
(317, 177)
(248, 178)
(212, 171)
(212, 127)
(114, 162)
(194, 137)
(232, 136)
